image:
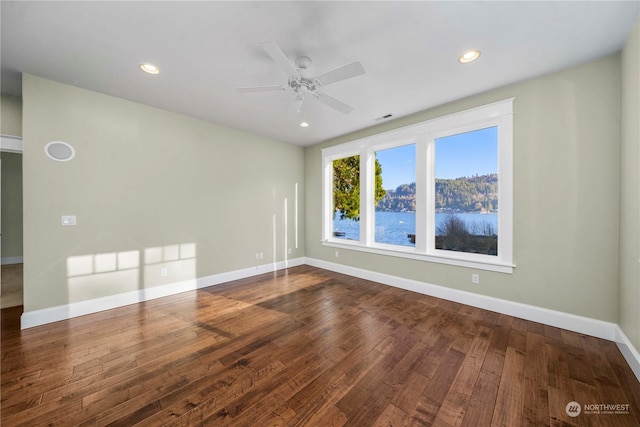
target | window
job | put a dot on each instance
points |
(346, 198)
(438, 191)
(466, 192)
(395, 201)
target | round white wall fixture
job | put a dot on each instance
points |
(59, 151)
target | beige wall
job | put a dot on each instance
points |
(11, 215)
(629, 319)
(566, 157)
(10, 115)
(168, 190)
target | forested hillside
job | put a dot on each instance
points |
(466, 194)
(402, 199)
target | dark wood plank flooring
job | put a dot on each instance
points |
(306, 347)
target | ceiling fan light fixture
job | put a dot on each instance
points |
(149, 68)
(304, 124)
(469, 56)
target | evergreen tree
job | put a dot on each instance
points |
(346, 186)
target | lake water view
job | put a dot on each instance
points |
(393, 227)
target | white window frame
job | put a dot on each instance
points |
(498, 114)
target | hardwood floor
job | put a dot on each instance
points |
(307, 347)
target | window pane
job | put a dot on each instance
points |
(395, 184)
(346, 198)
(466, 192)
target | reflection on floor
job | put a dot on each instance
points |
(11, 288)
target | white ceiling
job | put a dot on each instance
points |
(205, 49)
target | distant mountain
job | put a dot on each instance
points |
(477, 193)
(402, 199)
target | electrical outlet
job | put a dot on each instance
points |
(261, 255)
(257, 256)
(289, 251)
(475, 278)
(337, 254)
(164, 272)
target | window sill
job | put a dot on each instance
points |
(410, 253)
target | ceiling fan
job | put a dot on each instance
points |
(304, 85)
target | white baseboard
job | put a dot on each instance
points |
(571, 322)
(11, 260)
(583, 325)
(53, 314)
(629, 352)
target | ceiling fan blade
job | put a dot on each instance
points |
(342, 73)
(274, 51)
(334, 103)
(250, 89)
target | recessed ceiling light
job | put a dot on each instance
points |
(149, 68)
(469, 56)
(304, 125)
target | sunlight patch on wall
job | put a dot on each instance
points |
(295, 215)
(105, 274)
(274, 249)
(285, 226)
(97, 275)
(169, 264)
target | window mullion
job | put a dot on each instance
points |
(327, 198)
(422, 184)
(367, 208)
(429, 158)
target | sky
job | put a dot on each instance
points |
(467, 154)
(458, 155)
(398, 166)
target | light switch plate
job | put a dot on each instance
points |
(68, 220)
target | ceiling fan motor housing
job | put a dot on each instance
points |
(300, 84)
(303, 62)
